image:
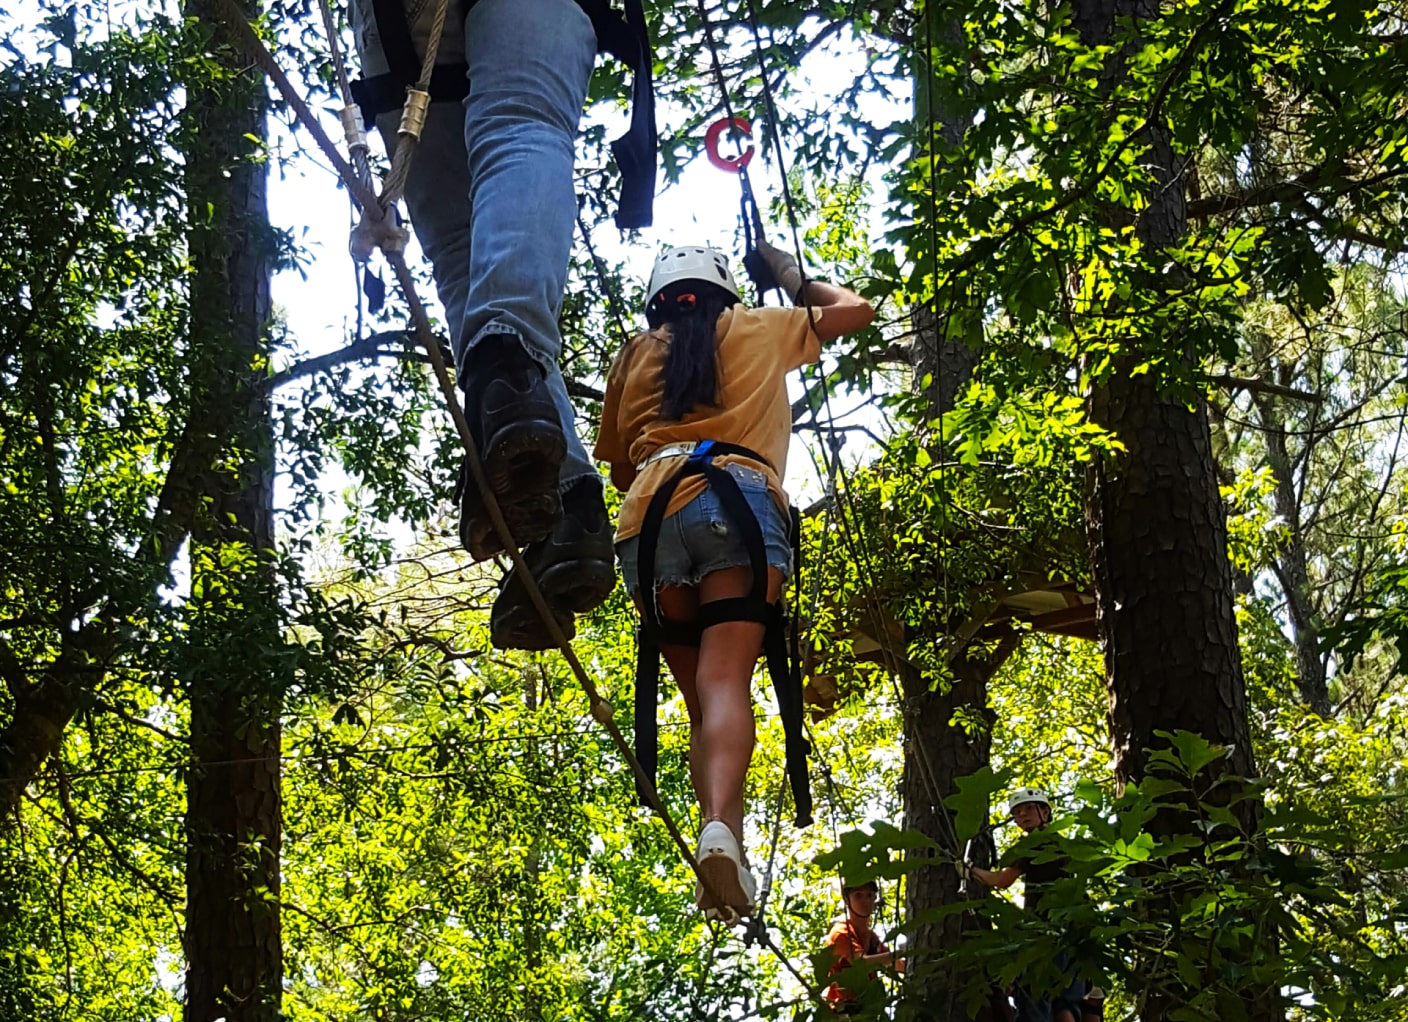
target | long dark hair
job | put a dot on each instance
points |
(691, 310)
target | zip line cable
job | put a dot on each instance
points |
(934, 300)
(614, 302)
(382, 232)
(876, 612)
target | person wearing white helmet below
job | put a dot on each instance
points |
(851, 941)
(712, 369)
(1031, 811)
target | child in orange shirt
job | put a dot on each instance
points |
(852, 941)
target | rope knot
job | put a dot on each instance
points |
(383, 232)
(601, 711)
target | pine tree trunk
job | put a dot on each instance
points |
(1155, 523)
(1157, 535)
(233, 823)
(1163, 583)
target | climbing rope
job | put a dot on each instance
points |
(600, 708)
(382, 231)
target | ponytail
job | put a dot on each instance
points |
(691, 310)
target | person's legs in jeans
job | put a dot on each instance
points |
(491, 198)
(530, 62)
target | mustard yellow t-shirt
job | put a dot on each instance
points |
(756, 350)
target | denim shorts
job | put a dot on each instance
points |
(700, 538)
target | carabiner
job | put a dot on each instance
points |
(737, 164)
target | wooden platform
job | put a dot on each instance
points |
(1052, 606)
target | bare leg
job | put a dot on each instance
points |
(715, 682)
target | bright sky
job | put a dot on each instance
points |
(701, 208)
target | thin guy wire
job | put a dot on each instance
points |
(776, 137)
(928, 775)
(599, 706)
(614, 302)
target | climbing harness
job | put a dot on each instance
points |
(600, 709)
(625, 36)
(385, 233)
(780, 644)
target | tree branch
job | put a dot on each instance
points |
(577, 389)
(1259, 386)
(387, 344)
(12, 672)
(1283, 191)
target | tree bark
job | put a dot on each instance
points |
(1163, 583)
(1156, 528)
(937, 751)
(1155, 523)
(234, 662)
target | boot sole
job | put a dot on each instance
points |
(524, 519)
(578, 587)
(523, 629)
(521, 464)
(570, 588)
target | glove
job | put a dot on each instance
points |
(783, 266)
(964, 870)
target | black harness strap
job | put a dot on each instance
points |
(395, 33)
(784, 669)
(625, 36)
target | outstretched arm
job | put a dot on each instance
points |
(845, 312)
(1000, 878)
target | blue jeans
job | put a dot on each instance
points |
(700, 538)
(1029, 1009)
(491, 191)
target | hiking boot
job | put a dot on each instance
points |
(573, 566)
(515, 425)
(725, 886)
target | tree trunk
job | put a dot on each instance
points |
(1292, 570)
(234, 671)
(1163, 584)
(1155, 523)
(1157, 534)
(936, 752)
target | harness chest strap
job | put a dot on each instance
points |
(784, 665)
(625, 36)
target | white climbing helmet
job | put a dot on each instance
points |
(688, 262)
(1022, 796)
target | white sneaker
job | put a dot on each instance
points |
(725, 887)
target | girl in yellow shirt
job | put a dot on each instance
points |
(710, 369)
